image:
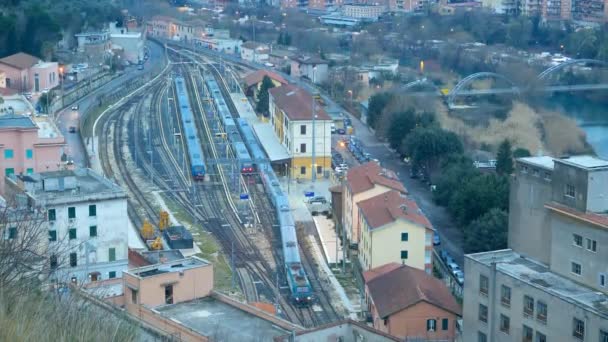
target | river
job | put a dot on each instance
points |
(592, 117)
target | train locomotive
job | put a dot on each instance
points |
(193, 144)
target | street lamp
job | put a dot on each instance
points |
(61, 81)
(314, 115)
(350, 93)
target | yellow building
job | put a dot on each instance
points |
(393, 229)
(253, 81)
(362, 182)
(291, 111)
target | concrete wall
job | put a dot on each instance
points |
(565, 174)
(560, 313)
(47, 74)
(93, 253)
(132, 44)
(306, 70)
(383, 245)
(15, 78)
(193, 283)
(597, 192)
(293, 140)
(251, 56)
(2, 79)
(529, 230)
(564, 251)
(346, 331)
(411, 323)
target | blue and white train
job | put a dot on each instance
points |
(301, 291)
(195, 153)
(230, 127)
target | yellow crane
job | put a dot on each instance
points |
(157, 244)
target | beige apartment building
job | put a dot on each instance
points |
(551, 284)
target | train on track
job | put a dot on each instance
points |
(193, 144)
(255, 159)
(230, 127)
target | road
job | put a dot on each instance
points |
(68, 118)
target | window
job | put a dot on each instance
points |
(576, 268)
(302, 148)
(481, 337)
(431, 325)
(547, 176)
(319, 169)
(602, 281)
(578, 240)
(169, 294)
(528, 306)
(51, 214)
(505, 296)
(92, 231)
(29, 171)
(578, 329)
(603, 336)
(540, 337)
(134, 296)
(72, 233)
(535, 172)
(8, 154)
(52, 235)
(404, 236)
(92, 210)
(403, 254)
(483, 313)
(29, 153)
(302, 170)
(12, 233)
(591, 245)
(541, 312)
(73, 260)
(445, 324)
(483, 285)
(524, 169)
(528, 334)
(303, 129)
(570, 191)
(505, 324)
(9, 171)
(53, 261)
(71, 212)
(112, 274)
(112, 254)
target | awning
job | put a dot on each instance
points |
(270, 142)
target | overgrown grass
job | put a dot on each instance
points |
(87, 124)
(30, 315)
(210, 248)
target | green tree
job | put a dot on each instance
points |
(263, 97)
(521, 152)
(428, 145)
(456, 170)
(45, 101)
(477, 196)
(376, 106)
(402, 124)
(504, 158)
(487, 233)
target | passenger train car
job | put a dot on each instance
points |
(230, 127)
(195, 153)
(299, 286)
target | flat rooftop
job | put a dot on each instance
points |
(586, 162)
(539, 276)
(47, 128)
(16, 121)
(69, 186)
(545, 162)
(221, 321)
(167, 267)
(270, 142)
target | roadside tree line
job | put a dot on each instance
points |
(478, 201)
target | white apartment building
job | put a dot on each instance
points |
(290, 110)
(551, 285)
(86, 216)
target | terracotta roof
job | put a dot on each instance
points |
(380, 270)
(296, 103)
(593, 218)
(406, 286)
(20, 60)
(363, 177)
(390, 206)
(257, 77)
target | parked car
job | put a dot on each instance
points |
(436, 239)
(72, 129)
(341, 131)
(75, 107)
(317, 199)
(444, 255)
(453, 267)
(459, 277)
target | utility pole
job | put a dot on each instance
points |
(233, 269)
(314, 122)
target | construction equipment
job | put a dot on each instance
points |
(147, 231)
(157, 244)
(164, 220)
